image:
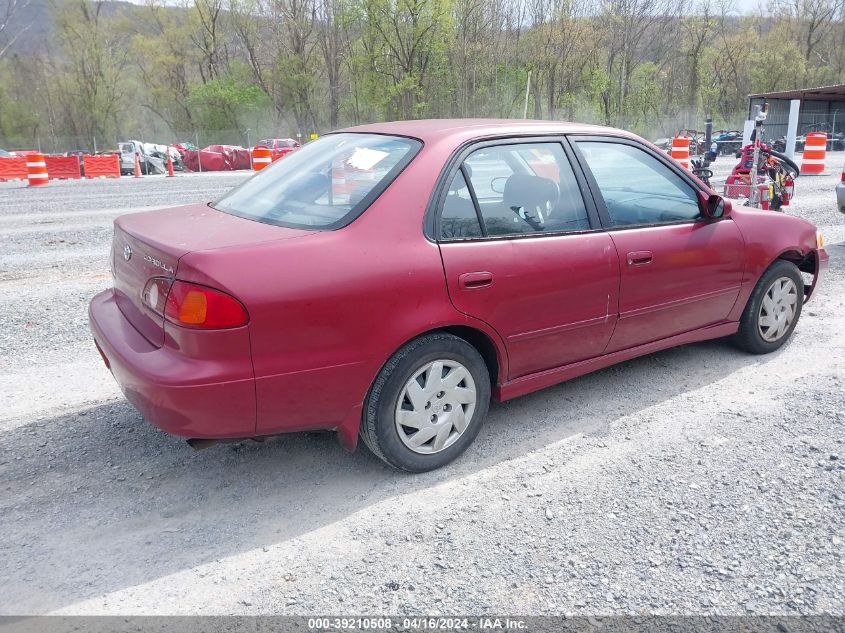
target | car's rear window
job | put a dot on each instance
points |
(324, 185)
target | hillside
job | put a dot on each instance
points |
(35, 18)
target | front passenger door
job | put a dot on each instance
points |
(679, 270)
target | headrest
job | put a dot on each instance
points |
(522, 190)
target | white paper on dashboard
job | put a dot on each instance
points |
(366, 159)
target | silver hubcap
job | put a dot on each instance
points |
(435, 406)
(780, 304)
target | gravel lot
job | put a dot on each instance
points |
(696, 480)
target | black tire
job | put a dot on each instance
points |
(378, 428)
(749, 337)
(787, 162)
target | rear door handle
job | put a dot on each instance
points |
(470, 281)
(638, 258)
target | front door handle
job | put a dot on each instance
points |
(471, 281)
(638, 258)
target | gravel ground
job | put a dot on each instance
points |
(698, 480)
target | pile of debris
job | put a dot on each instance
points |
(217, 158)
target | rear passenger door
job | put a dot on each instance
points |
(523, 251)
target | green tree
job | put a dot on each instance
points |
(226, 103)
(89, 72)
(404, 41)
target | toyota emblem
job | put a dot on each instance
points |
(127, 253)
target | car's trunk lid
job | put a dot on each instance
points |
(150, 244)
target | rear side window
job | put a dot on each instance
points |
(324, 185)
(459, 218)
(519, 188)
(637, 187)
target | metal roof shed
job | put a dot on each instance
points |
(821, 108)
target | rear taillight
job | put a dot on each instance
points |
(196, 306)
(843, 175)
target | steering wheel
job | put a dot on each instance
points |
(522, 214)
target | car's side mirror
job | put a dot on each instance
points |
(714, 206)
(498, 184)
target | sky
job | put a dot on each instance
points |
(747, 6)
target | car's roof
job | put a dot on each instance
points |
(462, 129)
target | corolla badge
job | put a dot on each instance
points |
(157, 262)
(127, 253)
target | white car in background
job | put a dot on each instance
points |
(128, 150)
(152, 157)
(840, 192)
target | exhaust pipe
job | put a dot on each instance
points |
(198, 443)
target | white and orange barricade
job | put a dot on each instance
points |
(815, 148)
(680, 150)
(36, 170)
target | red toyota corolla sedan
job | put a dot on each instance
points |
(388, 280)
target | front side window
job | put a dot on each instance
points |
(520, 188)
(324, 185)
(637, 187)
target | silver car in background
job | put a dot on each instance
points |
(840, 192)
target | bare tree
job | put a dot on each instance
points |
(812, 20)
(629, 21)
(330, 34)
(206, 37)
(697, 33)
(10, 30)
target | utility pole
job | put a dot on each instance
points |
(527, 90)
(199, 155)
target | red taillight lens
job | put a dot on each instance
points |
(843, 175)
(193, 305)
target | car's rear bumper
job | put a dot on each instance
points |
(181, 395)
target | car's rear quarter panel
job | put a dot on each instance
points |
(328, 310)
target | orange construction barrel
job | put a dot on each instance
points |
(815, 148)
(680, 150)
(261, 157)
(36, 170)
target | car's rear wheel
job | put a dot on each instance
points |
(427, 404)
(773, 309)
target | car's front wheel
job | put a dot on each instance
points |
(773, 309)
(427, 404)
